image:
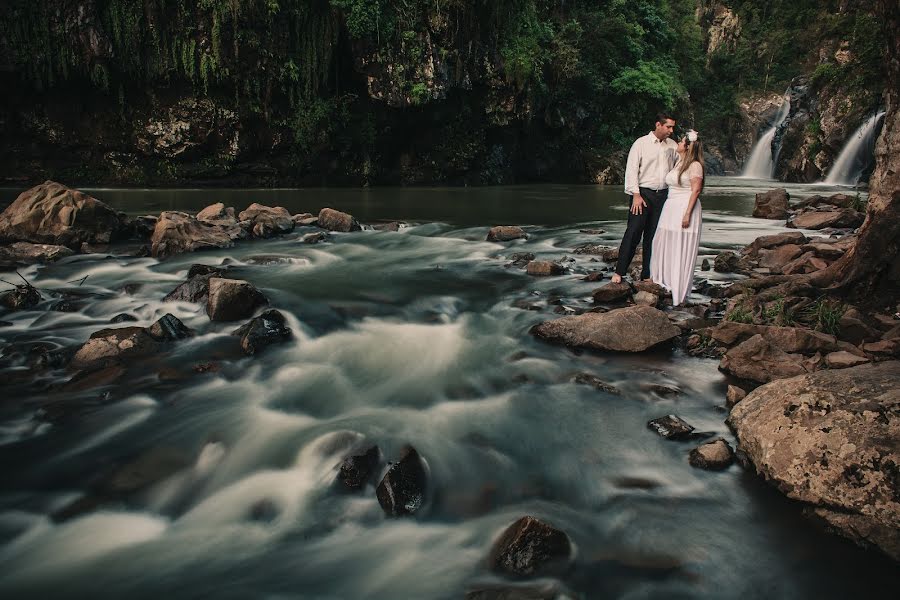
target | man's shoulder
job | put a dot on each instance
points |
(641, 140)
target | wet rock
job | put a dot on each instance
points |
(594, 276)
(671, 427)
(612, 292)
(232, 299)
(830, 440)
(393, 226)
(109, 347)
(758, 360)
(548, 590)
(169, 329)
(217, 212)
(309, 221)
(506, 233)
(26, 253)
(544, 268)
(632, 329)
(195, 289)
(726, 262)
(607, 253)
(596, 382)
(123, 318)
(843, 360)
(788, 339)
(52, 213)
(358, 469)
(845, 218)
(314, 238)
(201, 269)
(705, 266)
(335, 220)
(734, 395)
(20, 297)
(267, 221)
(661, 390)
(772, 204)
(402, 489)
(178, 232)
(592, 231)
(712, 456)
(643, 298)
(768, 242)
(263, 331)
(142, 227)
(530, 547)
(520, 259)
(650, 287)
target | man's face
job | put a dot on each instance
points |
(664, 130)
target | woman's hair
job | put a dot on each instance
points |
(693, 152)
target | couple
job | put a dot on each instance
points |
(664, 181)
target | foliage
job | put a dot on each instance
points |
(824, 315)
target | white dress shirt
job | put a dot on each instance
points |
(648, 163)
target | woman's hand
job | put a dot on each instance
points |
(686, 221)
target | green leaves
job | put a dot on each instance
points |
(655, 79)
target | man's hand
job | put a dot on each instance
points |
(637, 205)
(685, 221)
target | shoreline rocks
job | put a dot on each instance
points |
(631, 329)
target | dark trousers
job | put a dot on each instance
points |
(638, 226)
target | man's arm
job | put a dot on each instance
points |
(632, 169)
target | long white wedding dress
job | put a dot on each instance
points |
(675, 247)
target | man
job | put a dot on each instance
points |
(650, 159)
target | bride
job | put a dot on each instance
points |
(678, 234)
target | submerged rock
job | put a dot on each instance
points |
(402, 489)
(713, 456)
(632, 329)
(831, 439)
(671, 427)
(20, 297)
(596, 382)
(335, 220)
(506, 233)
(357, 470)
(263, 331)
(530, 547)
(232, 299)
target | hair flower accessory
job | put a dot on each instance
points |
(692, 135)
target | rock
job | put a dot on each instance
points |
(217, 212)
(704, 266)
(594, 276)
(788, 339)
(831, 440)
(772, 204)
(883, 348)
(26, 253)
(843, 360)
(335, 220)
(805, 263)
(314, 238)
(734, 395)
(506, 233)
(309, 221)
(195, 289)
(402, 489)
(20, 297)
(777, 258)
(758, 360)
(52, 213)
(530, 547)
(671, 427)
(607, 253)
(109, 347)
(544, 268)
(726, 262)
(824, 250)
(267, 221)
(142, 227)
(713, 456)
(263, 331)
(177, 232)
(773, 241)
(123, 318)
(146, 469)
(854, 329)
(357, 470)
(846, 218)
(632, 329)
(393, 226)
(520, 259)
(596, 382)
(592, 231)
(546, 590)
(612, 292)
(232, 299)
(201, 269)
(643, 298)
(169, 329)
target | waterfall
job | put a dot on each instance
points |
(760, 165)
(856, 155)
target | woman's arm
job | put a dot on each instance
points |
(696, 176)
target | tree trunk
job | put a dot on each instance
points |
(870, 273)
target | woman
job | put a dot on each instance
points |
(678, 234)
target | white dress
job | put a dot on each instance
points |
(675, 247)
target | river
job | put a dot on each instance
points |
(412, 337)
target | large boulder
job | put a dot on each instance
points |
(845, 218)
(263, 331)
(530, 547)
(232, 299)
(760, 361)
(505, 233)
(773, 241)
(52, 213)
(109, 347)
(631, 329)
(772, 204)
(26, 253)
(402, 489)
(177, 232)
(267, 221)
(831, 440)
(335, 220)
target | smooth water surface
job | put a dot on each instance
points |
(412, 337)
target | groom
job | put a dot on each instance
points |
(650, 159)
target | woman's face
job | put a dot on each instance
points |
(682, 145)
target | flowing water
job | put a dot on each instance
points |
(858, 153)
(412, 337)
(761, 163)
